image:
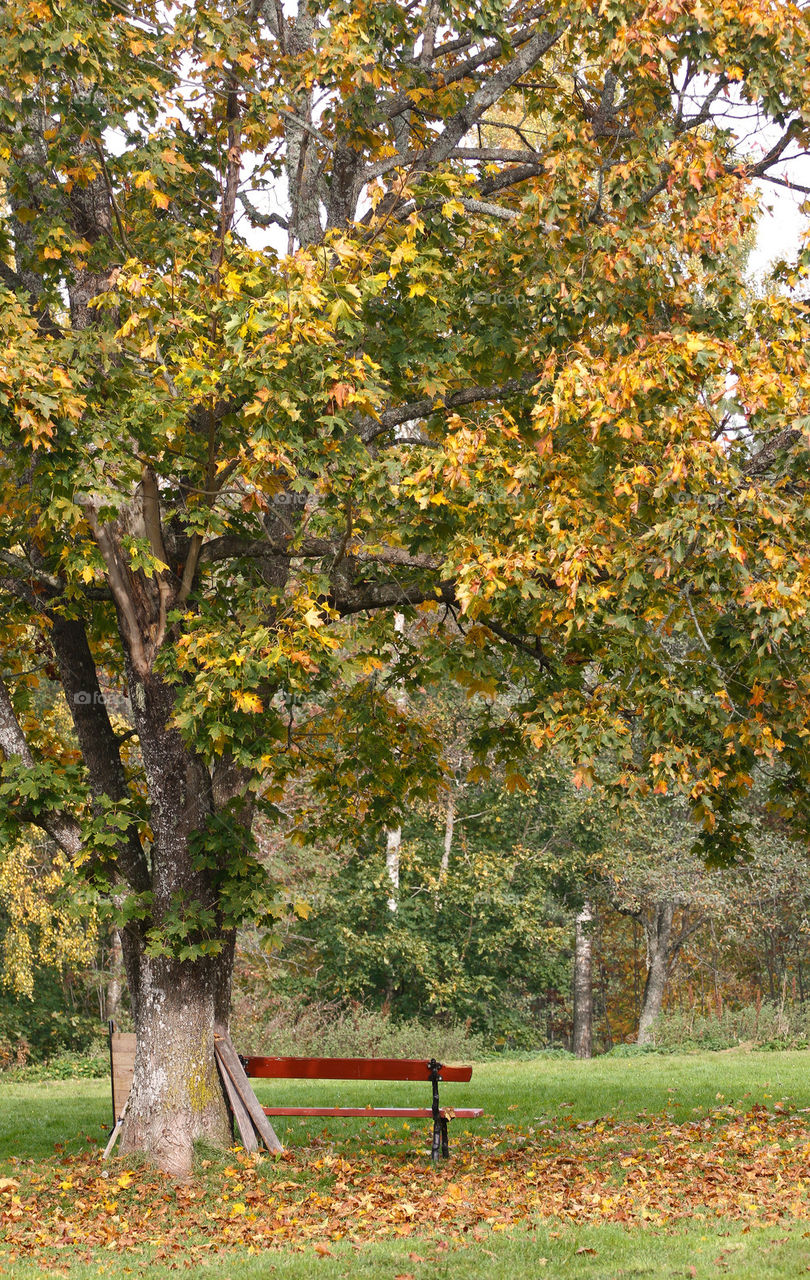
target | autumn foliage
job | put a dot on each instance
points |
(312, 318)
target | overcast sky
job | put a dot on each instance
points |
(781, 230)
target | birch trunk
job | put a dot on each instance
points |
(582, 1039)
(393, 837)
(449, 826)
(393, 844)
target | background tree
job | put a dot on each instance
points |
(478, 377)
(659, 880)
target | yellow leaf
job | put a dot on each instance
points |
(160, 200)
(248, 702)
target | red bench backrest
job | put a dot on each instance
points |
(349, 1069)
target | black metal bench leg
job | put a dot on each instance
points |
(437, 1141)
(439, 1138)
(445, 1139)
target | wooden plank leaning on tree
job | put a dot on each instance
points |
(122, 1067)
(232, 1070)
(240, 1112)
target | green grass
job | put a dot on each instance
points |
(70, 1116)
(607, 1252)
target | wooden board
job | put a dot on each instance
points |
(122, 1069)
(390, 1113)
(350, 1069)
(232, 1064)
(240, 1112)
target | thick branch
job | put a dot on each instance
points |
(394, 417)
(387, 595)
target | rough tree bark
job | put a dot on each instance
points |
(114, 989)
(176, 1096)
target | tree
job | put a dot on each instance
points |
(582, 1035)
(479, 379)
(657, 878)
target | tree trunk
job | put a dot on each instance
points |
(393, 836)
(449, 823)
(582, 1039)
(176, 1097)
(115, 978)
(659, 932)
(393, 844)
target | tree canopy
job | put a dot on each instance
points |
(421, 307)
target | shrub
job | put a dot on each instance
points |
(772, 1024)
(327, 1030)
(94, 1064)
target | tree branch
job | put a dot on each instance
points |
(394, 417)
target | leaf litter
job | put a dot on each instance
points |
(752, 1165)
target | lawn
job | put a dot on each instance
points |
(694, 1166)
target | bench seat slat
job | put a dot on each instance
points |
(416, 1113)
(349, 1069)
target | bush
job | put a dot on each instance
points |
(324, 1030)
(92, 1065)
(772, 1025)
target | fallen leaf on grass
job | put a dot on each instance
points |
(645, 1170)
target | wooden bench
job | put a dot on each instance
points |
(235, 1070)
(427, 1070)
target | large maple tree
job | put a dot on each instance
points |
(429, 307)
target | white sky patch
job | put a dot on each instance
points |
(780, 230)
